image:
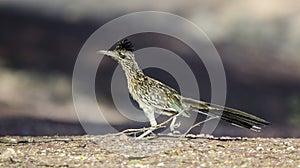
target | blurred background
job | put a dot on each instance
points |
(258, 42)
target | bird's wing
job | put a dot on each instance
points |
(161, 96)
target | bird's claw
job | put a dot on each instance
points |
(174, 132)
(177, 125)
(174, 126)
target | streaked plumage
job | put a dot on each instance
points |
(154, 96)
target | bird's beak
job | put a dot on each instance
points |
(108, 53)
(104, 52)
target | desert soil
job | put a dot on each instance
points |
(123, 151)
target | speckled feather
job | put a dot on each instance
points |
(152, 95)
(156, 94)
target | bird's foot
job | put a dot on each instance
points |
(177, 125)
(173, 126)
(148, 132)
(175, 132)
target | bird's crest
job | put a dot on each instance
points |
(125, 45)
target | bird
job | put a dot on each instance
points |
(154, 96)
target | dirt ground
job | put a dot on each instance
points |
(164, 151)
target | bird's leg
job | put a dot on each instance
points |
(150, 115)
(174, 125)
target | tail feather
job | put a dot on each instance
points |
(233, 116)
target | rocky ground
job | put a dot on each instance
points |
(122, 151)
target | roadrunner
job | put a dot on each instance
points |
(154, 96)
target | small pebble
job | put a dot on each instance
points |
(291, 148)
(8, 153)
(123, 137)
(160, 164)
(259, 148)
(209, 146)
(140, 166)
(286, 143)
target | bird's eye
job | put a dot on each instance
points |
(122, 55)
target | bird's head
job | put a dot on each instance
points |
(122, 53)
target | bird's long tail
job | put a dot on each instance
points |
(233, 116)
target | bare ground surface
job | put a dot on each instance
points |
(164, 151)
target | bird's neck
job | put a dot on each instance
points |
(131, 70)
